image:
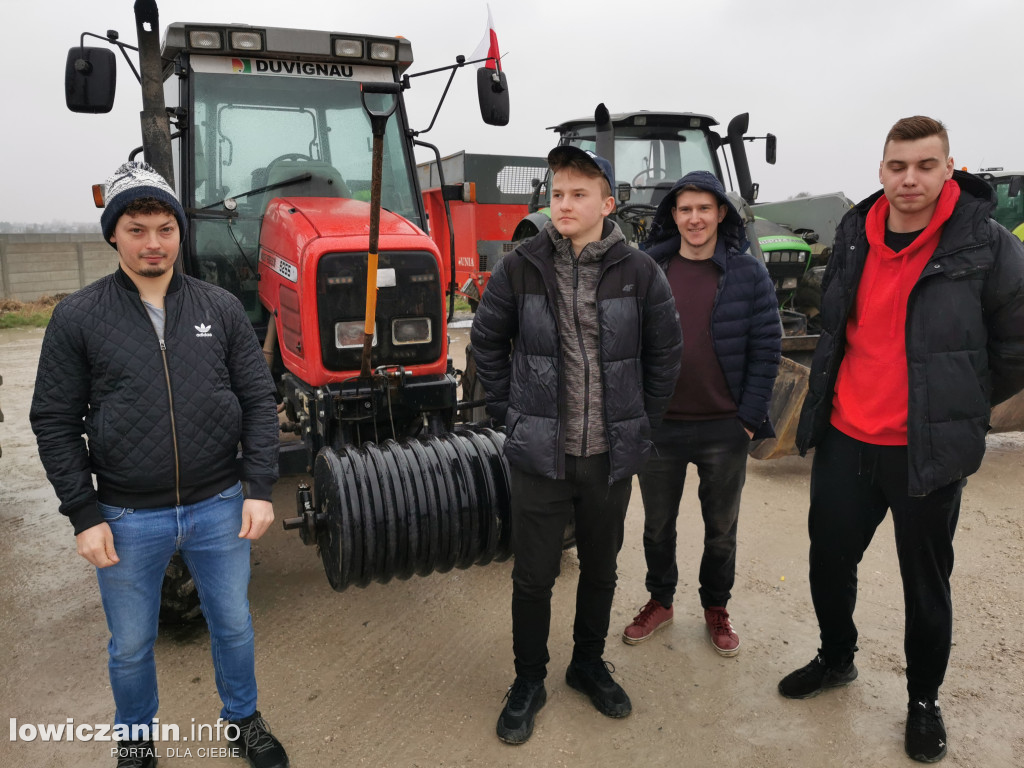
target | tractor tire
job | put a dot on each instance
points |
(179, 600)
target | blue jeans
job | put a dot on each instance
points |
(206, 534)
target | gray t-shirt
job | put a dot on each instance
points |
(159, 318)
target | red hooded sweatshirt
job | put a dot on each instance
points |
(870, 402)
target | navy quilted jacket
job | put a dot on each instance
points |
(745, 326)
(518, 355)
(157, 435)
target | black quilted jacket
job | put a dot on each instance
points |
(158, 434)
(519, 360)
(964, 336)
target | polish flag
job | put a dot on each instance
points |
(488, 46)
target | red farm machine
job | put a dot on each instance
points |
(292, 155)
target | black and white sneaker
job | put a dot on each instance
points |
(136, 754)
(257, 744)
(926, 733)
(816, 677)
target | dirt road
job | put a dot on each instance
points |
(413, 673)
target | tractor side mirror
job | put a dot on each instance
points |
(90, 80)
(492, 91)
(1016, 186)
(769, 148)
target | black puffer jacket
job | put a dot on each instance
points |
(746, 330)
(102, 373)
(518, 355)
(964, 336)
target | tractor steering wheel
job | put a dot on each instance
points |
(289, 156)
(652, 174)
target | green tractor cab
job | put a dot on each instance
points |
(1009, 189)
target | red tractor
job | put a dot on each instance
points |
(292, 155)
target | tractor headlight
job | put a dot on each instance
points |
(383, 51)
(205, 39)
(349, 335)
(410, 330)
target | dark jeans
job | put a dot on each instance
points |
(719, 451)
(541, 508)
(852, 486)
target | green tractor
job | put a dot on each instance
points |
(1009, 189)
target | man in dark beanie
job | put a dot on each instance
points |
(732, 344)
(164, 376)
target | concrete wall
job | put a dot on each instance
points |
(34, 265)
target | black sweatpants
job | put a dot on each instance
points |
(852, 486)
(541, 508)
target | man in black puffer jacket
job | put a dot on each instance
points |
(922, 333)
(165, 377)
(577, 346)
(732, 334)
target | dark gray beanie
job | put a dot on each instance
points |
(134, 181)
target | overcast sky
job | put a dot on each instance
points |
(827, 78)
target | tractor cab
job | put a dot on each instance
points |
(1009, 189)
(277, 113)
(650, 151)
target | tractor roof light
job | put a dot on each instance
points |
(348, 48)
(383, 51)
(205, 39)
(246, 41)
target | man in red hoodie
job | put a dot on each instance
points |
(922, 333)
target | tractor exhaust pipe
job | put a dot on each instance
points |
(737, 128)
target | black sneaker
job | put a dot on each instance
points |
(136, 754)
(594, 679)
(525, 698)
(926, 733)
(816, 677)
(257, 744)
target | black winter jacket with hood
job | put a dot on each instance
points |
(519, 355)
(964, 336)
(746, 329)
(163, 421)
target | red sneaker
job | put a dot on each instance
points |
(723, 637)
(651, 617)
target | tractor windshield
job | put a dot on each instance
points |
(651, 160)
(254, 138)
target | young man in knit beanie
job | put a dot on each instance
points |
(922, 333)
(577, 346)
(164, 376)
